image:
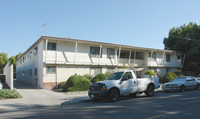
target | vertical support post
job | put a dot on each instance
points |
(100, 53)
(163, 58)
(129, 59)
(174, 58)
(183, 60)
(46, 50)
(76, 45)
(119, 56)
(151, 57)
(134, 58)
(56, 52)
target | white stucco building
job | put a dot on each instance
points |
(51, 60)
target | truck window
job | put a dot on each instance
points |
(128, 75)
(115, 76)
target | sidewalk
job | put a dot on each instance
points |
(34, 97)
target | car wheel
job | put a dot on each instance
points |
(197, 87)
(182, 89)
(114, 95)
(150, 91)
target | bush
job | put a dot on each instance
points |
(88, 76)
(98, 77)
(149, 72)
(178, 73)
(61, 85)
(7, 94)
(77, 83)
(170, 76)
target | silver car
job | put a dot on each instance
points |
(181, 84)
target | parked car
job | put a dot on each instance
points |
(1, 85)
(181, 84)
(122, 83)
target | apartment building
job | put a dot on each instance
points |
(51, 60)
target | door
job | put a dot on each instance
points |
(129, 84)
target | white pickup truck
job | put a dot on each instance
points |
(122, 83)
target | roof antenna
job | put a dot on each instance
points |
(44, 26)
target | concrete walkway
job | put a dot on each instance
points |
(34, 97)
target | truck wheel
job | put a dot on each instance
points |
(182, 89)
(150, 91)
(114, 94)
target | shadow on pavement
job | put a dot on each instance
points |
(22, 85)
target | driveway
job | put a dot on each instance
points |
(34, 97)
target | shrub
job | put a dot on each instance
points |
(178, 73)
(98, 77)
(77, 83)
(88, 76)
(149, 72)
(61, 85)
(170, 76)
(7, 94)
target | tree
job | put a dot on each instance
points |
(13, 61)
(3, 61)
(186, 39)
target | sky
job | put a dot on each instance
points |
(142, 23)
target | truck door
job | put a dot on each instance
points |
(129, 84)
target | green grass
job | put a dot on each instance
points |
(8, 94)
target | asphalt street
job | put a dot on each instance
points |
(176, 105)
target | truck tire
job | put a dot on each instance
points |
(114, 95)
(150, 91)
(182, 89)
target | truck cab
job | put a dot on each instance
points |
(122, 83)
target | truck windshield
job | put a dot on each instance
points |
(115, 76)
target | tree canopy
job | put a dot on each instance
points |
(186, 39)
(4, 60)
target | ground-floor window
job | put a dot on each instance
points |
(51, 69)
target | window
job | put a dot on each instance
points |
(30, 53)
(153, 55)
(128, 75)
(51, 69)
(110, 53)
(168, 69)
(178, 57)
(35, 51)
(139, 55)
(35, 71)
(167, 57)
(51, 46)
(94, 51)
(124, 54)
(23, 59)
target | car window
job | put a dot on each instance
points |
(179, 79)
(128, 75)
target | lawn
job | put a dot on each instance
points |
(8, 94)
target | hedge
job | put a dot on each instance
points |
(98, 77)
(170, 76)
(149, 72)
(77, 83)
(178, 73)
(7, 94)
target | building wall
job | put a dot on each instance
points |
(69, 61)
(28, 68)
